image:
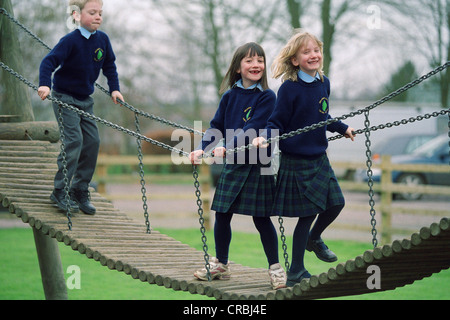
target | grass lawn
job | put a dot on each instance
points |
(20, 275)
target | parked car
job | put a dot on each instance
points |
(401, 144)
(435, 151)
(393, 145)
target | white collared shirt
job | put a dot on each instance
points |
(239, 84)
(86, 33)
(307, 78)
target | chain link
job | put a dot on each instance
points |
(367, 131)
(122, 103)
(345, 116)
(373, 221)
(284, 136)
(427, 116)
(201, 221)
(142, 174)
(64, 165)
(95, 118)
(283, 242)
(140, 137)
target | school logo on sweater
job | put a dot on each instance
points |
(99, 54)
(247, 112)
(324, 107)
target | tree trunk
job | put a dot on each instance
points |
(295, 13)
(16, 100)
(328, 29)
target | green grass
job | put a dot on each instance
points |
(20, 275)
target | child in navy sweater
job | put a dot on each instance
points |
(80, 56)
(306, 184)
(243, 187)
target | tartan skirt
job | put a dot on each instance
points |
(305, 187)
(244, 190)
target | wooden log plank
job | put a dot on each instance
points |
(116, 242)
(33, 130)
(26, 144)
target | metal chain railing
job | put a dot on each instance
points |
(201, 221)
(93, 117)
(142, 174)
(64, 165)
(283, 242)
(345, 116)
(140, 137)
(366, 130)
(122, 103)
(373, 221)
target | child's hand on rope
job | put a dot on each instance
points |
(43, 92)
(350, 133)
(117, 95)
(260, 142)
(219, 152)
(196, 156)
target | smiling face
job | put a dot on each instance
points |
(309, 58)
(91, 16)
(251, 70)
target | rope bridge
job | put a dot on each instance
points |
(119, 243)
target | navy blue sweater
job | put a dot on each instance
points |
(80, 61)
(243, 113)
(300, 104)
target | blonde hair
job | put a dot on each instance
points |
(82, 3)
(283, 67)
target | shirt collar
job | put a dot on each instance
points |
(240, 85)
(86, 33)
(307, 78)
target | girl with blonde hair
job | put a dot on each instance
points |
(306, 185)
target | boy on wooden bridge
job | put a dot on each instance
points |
(80, 55)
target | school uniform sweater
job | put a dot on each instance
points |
(242, 187)
(240, 117)
(80, 61)
(301, 104)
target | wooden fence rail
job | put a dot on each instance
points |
(386, 188)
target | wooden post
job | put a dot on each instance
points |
(16, 95)
(386, 199)
(101, 171)
(33, 130)
(52, 273)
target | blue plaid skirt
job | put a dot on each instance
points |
(243, 189)
(305, 187)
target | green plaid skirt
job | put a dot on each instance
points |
(305, 187)
(243, 189)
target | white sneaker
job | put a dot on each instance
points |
(217, 270)
(277, 276)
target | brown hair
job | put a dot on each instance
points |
(250, 49)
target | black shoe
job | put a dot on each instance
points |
(321, 250)
(59, 198)
(83, 198)
(294, 278)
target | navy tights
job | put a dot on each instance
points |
(302, 233)
(222, 236)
